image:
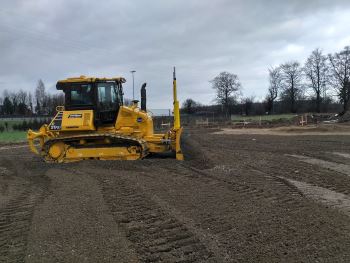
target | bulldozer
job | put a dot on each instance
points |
(94, 123)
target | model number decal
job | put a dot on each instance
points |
(55, 127)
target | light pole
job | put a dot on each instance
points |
(133, 89)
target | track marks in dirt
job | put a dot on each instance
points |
(4, 171)
(326, 196)
(260, 187)
(157, 235)
(3, 148)
(234, 199)
(337, 167)
(323, 195)
(15, 221)
(25, 189)
(345, 155)
(295, 169)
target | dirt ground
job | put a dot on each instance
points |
(236, 198)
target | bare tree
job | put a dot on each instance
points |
(227, 86)
(340, 75)
(22, 97)
(14, 100)
(40, 96)
(291, 76)
(189, 106)
(275, 79)
(52, 101)
(316, 72)
(22, 102)
(6, 93)
(8, 106)
(247, 104)
(30, 102)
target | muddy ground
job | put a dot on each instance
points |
(236, 198)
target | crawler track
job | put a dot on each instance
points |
(115, 139)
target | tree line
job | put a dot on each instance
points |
(322, 80)
(316, 85)
(22, 103)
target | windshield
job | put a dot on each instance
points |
(106, 96)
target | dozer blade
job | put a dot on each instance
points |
(32, 136)
(177, 124)
(179, 154)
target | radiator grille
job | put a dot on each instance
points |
(86, 119)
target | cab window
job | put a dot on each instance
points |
(81, 95)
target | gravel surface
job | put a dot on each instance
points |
(236, 198)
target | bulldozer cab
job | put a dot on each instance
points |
(104, 97)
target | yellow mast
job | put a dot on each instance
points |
(177, 126)
(176, 104)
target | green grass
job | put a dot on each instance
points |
(264, 117)
(12, 136)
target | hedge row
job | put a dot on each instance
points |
(26, 125)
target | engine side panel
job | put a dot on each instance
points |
(132, 120)
(79, 120)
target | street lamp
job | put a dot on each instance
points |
(133, 89)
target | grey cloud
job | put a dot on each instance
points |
(57, 39)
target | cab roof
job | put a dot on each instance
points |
(83, 79)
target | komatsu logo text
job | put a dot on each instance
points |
(75, 115)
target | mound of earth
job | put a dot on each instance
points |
(345, 117)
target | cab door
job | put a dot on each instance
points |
(108, 102)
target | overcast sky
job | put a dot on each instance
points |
(53, 40)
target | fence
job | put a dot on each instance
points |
(241, 121)
(163, 120)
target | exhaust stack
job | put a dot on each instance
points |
(143, 97)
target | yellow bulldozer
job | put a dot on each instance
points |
(95, 124)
